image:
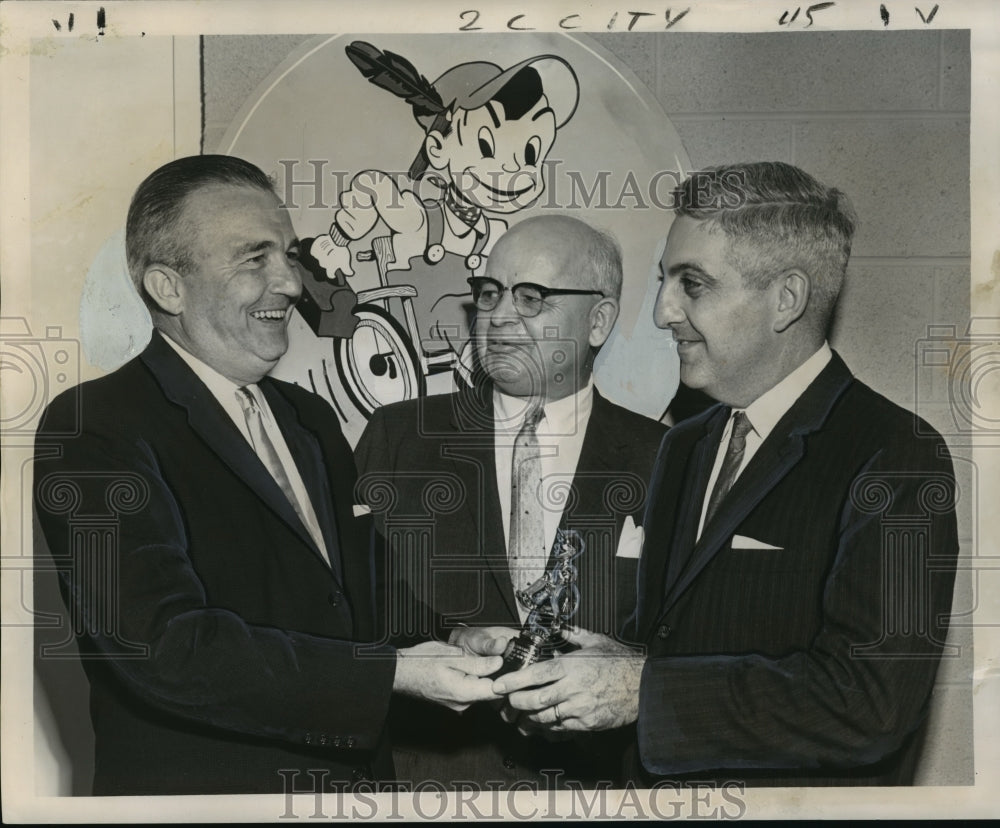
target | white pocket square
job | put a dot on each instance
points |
(360, 509)
(743, 542)
(630, 540)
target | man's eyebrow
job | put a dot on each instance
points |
(692, 268)
(252, 247)
(493, 113)
(541, 112)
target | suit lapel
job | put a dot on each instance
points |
(683, 549)
(308, 457)
(472, 419)
(211, 423)
(676, 491)
(598, 453)
(775, 458)
(777, 455)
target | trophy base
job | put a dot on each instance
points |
(522, 652)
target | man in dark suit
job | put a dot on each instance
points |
(800, 537)
(471, 513)
(225, 623)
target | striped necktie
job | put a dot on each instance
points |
(264, 446)
(730, 463)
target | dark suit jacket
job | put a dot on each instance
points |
(216, 639)
(428, 470)
(811, 661)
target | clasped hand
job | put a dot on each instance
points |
(445, 674)
(593, 688)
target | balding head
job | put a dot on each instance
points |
(546, 350)
(583, 256)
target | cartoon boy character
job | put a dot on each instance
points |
(487, 132)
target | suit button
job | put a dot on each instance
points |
(337, 741)
(508, 763)
(308, 739)
(323, 740)
(334, 597)
(351, 741)
(663, 631)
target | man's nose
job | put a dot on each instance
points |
(667, 310)
(511, 166)
(286, 277)
(505, 313)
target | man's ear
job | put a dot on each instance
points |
(602, 319)
(794, 287)
(165, 286)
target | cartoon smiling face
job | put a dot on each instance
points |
(493, 160)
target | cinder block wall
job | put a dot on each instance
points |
(884, 116)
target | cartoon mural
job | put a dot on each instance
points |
(487, 132)
(400, 186)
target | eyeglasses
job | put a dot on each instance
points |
(528, 297)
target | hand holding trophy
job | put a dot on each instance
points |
(550, 602)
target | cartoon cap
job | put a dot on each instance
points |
(472, 85)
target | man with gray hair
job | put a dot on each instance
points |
(473, 489)
(800, 536)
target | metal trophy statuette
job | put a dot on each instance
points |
(550, 601)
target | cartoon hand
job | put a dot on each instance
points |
(357, 216)
(332, 256)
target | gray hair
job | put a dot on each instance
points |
(776, 216)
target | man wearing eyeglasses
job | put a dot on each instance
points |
(471, 488)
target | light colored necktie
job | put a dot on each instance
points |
(526, 550)
(730, 463)
(268, 455)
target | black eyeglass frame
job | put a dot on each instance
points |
(544, 292)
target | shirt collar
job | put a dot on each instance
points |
(222, 388)
(561, 416)
(764, 412)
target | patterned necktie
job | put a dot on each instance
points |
(268, 455)
(526, 550)
(730, 464)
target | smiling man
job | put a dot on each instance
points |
(221, 624)
(471, 488)
(800, 537)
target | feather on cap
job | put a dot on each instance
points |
(465, 86)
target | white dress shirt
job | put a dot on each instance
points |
(763, 415)
(560, 438)
(226, 392)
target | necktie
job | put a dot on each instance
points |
(526, 550)
(268, 455)
(730, 463)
